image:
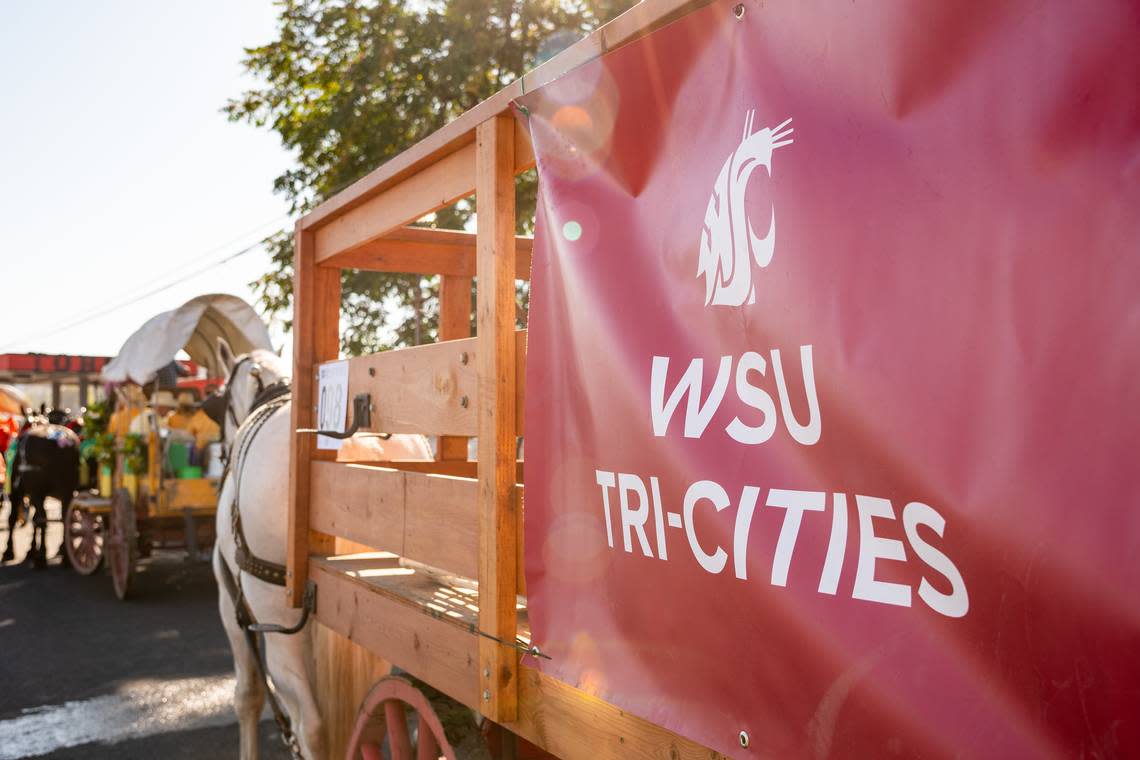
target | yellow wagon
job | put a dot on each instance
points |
(154, 506)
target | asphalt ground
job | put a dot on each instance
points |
(83, 675)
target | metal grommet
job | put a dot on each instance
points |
(744, 739)
(738, 11)
(486, 695)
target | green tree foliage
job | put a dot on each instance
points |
(348, 84)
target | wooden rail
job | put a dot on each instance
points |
(420, 250)
(498, 399)
(431, 389)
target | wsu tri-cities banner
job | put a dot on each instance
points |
(833, 379)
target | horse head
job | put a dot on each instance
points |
(249, 379)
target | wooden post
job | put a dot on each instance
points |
(454, 323)
(316, 338)
(498, 515)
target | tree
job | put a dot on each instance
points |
(348, 84)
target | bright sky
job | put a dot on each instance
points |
(117, 166)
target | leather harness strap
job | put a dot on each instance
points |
(262, 569)
(265, 404)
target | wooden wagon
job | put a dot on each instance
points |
(421, 563)
(965, 574)
(158, 508)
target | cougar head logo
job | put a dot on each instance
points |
(729, 245)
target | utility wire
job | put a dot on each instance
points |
(190, 262)
(178, 270)
(154, 291)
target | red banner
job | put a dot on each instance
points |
(833, 379)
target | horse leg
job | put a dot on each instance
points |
(249, 692)
(39, 528)
(9, 550)
(64, 502)
(292, 665)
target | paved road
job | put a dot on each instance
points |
(83, 675)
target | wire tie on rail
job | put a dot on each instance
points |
(518, 644)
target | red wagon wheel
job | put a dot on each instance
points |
(123, 548)
(83, 537)
(414, 722)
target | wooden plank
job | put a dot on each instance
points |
(430, 389)
(434, 650)
(576, 725)
(454, 323)
(345, 672)
(316, 335)
(454, 308)
(385, 255)
(459, 133)
(433, 592)
(360, 503)
(455, 468)
(423, 389)
(442, 523)
(433, 187)
(421, 250)
(428, 518)
(520, 383)
(498, 513)
(350, 671)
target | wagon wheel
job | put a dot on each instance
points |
(123, 548)
(84, 533)
(407, 716)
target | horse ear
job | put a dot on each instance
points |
(226, 356)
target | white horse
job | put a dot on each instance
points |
(259, 469)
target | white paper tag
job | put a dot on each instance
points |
(332, 402)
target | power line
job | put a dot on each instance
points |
(116, 307)
(195, 259)
(78, 317)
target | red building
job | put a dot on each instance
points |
(60, 380)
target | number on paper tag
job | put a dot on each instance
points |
(332, 402)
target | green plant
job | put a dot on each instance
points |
(96, 418)
(103, 448)
(134, 454)
(349, 84)
(97, 442)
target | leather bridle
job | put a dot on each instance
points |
(265, 394)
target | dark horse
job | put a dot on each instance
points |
(46, 464)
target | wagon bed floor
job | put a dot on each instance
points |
(437, 593)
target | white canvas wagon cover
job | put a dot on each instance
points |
(195, 327)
